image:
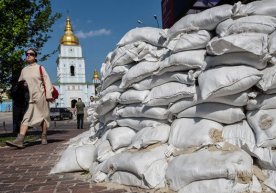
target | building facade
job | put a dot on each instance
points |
(71, 75)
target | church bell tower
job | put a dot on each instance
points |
(71, 76)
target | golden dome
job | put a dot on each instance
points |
(96, 75)
(69, 38)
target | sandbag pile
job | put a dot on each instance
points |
(191, 108)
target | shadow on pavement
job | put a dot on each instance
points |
(38, 133)
(38, 142)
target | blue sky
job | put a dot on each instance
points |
(99, 25)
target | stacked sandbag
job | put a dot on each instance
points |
(238, 61)
(191, 108)
(92, 115)
(198, 141)
(78, 156)
(126, 121)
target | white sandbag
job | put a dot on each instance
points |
(156, 80)
(270, 91)
(105, 70)
(263, 124)
(95, 127)
(273, 60)
(255, 185)
(95, 171)
(75, 159)
(227, 80)
(154, 177)
(194, 132)
(237, 100)
(255, 43)
(272, 43)
(136, 51)
(268, 80)
(238, 58)
(218, 112)
(133, 96)
(168, 93)
(120, 137)
(116, 74)
(139, 110)
(111, 125)
(206, 165)
(256, 24)
(271, 180)
(136, 162)
(114, 87)
(151, 135)
(106, 65)
(81, 139)
(90, 111)
(263, 7)
(266, 158)
(103, 137)
(220, 185)
(150, 35)
(128, 179)
(103, 151)
(151, 53)
(189, 41)
(108, 102)
(124, 55)
(183, 61)
(180, 105)
(155, 174)
(262, 102)
(139, 123)
(205, 20)
(139, 72)
(108, 117)
(241, 135)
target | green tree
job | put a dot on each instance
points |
(23, 24)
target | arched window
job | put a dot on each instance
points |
(72, 70)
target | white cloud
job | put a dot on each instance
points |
(100, 32)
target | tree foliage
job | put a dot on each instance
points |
(24, 24)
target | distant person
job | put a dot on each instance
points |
(92, 102)
(80, 113)
(40, 91)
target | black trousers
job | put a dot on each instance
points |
(80, 121)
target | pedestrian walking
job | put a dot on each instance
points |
(80, 113)
(40, 94)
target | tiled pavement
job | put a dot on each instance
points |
(27, 170)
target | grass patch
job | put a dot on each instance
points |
(29, 138)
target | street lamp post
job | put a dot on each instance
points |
(140, 22)
(155, 17)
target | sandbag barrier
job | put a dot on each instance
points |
(187, 109)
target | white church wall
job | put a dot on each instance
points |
(71, 92)
(70, 51)
(65, 73)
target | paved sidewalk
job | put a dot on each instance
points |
(27, 170)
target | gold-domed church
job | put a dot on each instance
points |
(71, 77)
